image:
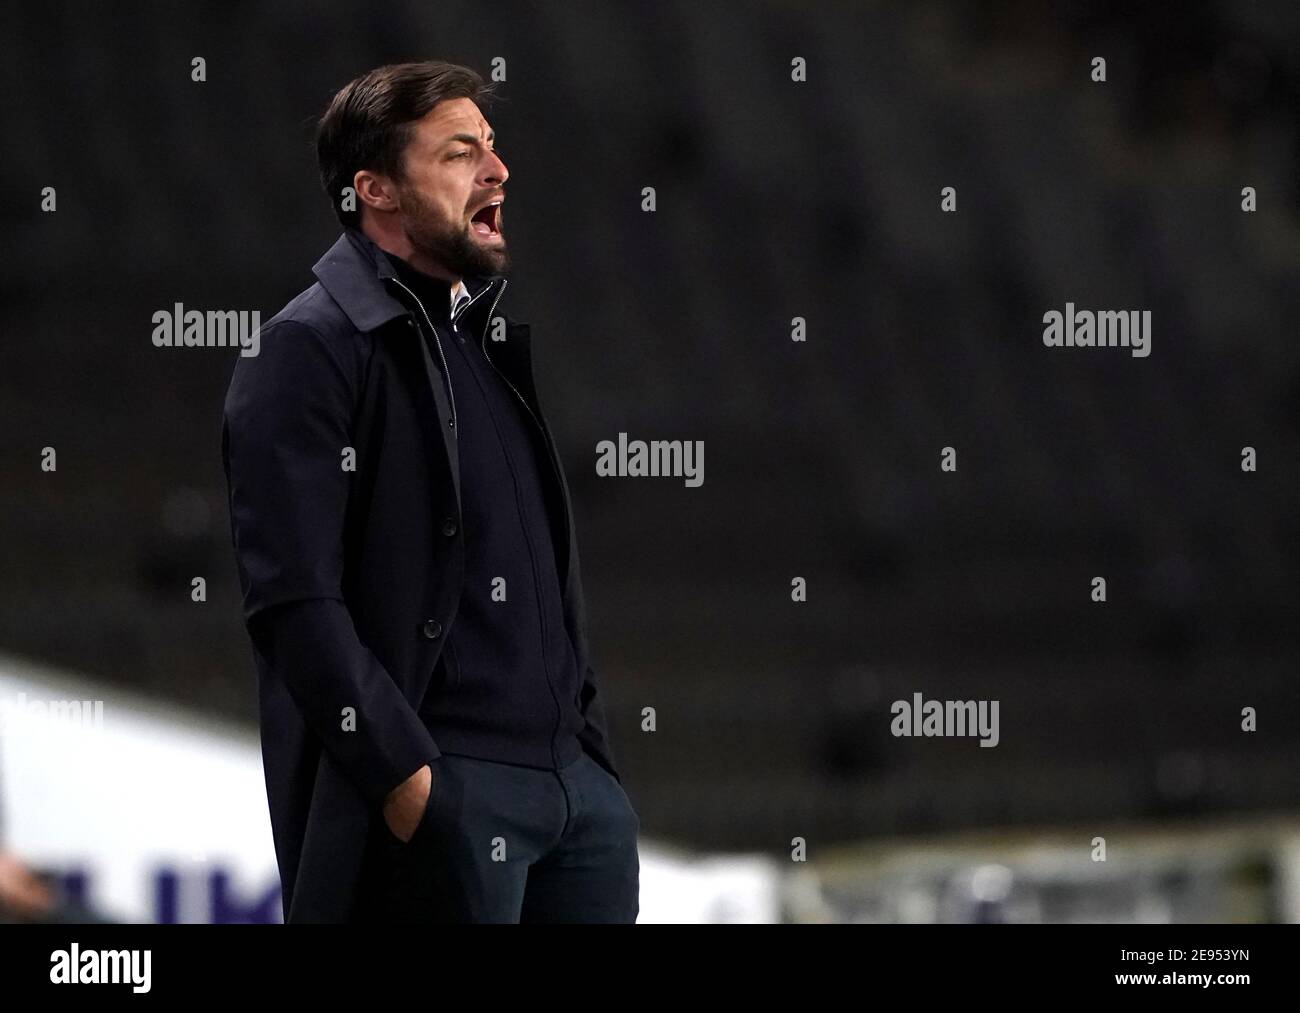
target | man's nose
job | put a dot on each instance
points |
(494, 170)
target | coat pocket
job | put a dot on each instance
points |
(430, 812)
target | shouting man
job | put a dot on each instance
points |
(433, 738)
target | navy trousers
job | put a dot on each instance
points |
(505, 843)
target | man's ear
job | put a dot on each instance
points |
(375, 190)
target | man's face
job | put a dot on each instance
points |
(451, 177)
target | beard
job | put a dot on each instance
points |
(448, 243)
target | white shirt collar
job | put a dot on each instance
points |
(458, 295)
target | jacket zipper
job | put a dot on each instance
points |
(545, 437)
(483, 346)
(550, 453)
(460, 310)
(445, 371)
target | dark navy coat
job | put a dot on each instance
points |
(350, 576)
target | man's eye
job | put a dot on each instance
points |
(461, 154)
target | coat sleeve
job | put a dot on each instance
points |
(288, 419)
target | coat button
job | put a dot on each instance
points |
(449, 526)
(432, 629)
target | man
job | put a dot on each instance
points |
(433, 739)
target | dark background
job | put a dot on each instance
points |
(776, 199)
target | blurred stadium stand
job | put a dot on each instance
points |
(775, 201)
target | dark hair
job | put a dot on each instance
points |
(368, 123)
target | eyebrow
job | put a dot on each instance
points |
(471, 138)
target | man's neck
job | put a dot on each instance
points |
(426, 285)
(397, 245)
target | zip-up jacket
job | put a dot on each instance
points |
(508, 688)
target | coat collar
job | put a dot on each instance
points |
(356, 272)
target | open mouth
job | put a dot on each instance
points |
(487, 220)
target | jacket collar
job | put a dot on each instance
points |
(356, 273)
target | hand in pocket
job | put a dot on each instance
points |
(405, 806)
